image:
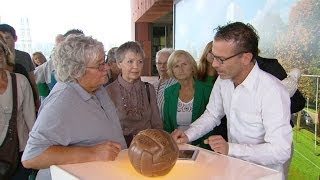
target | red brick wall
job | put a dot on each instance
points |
(143, 13)
(140, 7)
(142, 35)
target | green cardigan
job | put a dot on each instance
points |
(209, 80)
(201, 98)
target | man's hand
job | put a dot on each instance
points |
(107, 151)
(218, 144)
(179, 136)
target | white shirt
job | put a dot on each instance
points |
(258, 113)
(43, 72)
(184, 114)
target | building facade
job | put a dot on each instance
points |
(152, 26)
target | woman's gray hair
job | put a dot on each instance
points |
(71, 56)
(168, 51)
(111, 55)
(132, 46)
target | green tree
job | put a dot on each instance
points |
(298, 45)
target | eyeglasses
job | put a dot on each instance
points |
(161, 64)
(101, 66)
(221, 59)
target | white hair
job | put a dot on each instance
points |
(168, 51)
(72, 55)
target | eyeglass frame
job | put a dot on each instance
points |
(161, 64)
(101, 66)
(221, 59)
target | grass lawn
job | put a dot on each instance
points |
(305, 162)
(311, 110)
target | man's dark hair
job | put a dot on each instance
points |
(73, 31)
(243, 35)
(9, 29)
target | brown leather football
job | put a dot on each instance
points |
(153, 152)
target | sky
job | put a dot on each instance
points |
(105, 20)
(208, 14)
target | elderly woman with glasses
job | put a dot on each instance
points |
(164, 80)
(186, 100)
(135, 100)
(77, 122)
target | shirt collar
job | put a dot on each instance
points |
(128, 85)
(249, 82)
(83, 93)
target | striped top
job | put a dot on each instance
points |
(160, 92)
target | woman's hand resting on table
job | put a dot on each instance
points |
(107, 151)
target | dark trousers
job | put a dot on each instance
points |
(128, 139)
(21, 172)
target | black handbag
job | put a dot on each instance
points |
(9, 149)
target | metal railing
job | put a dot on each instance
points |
(316, 120)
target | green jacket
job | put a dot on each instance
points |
(209, 80)
(201, 98)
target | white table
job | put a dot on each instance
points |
(208, 165)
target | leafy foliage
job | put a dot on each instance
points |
(299, 45)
